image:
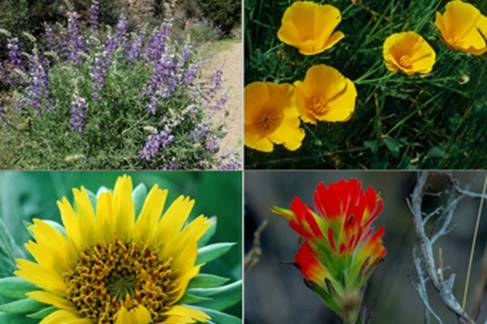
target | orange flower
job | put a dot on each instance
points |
(409, 53)
(309, 27)
(271, 117)
(325, 95)
(463, 27)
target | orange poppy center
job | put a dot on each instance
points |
(269, 121)
(405, 60)
(318, 105)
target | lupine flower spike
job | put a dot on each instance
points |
(341, 248)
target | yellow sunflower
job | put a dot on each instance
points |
(110, 266)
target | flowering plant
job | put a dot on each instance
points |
(340, 248)
(120, 256)
(94, 97)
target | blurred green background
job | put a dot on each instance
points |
(27, 195)
(274, 289)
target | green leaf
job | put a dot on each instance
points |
(42, 313)
(204, 280)
(219, 317)
(209, 232)
(437, 152)
(393, 145)
(372, 145)
(22, 306)
(9, 251)
(138, 195)
(16, 319)
(211, 252)
(222, 297)
(15, 287)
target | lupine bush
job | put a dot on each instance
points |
(89, 96)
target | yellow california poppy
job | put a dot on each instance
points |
(271, 117)
(463, 27)
(409, 53)
(111, 267)
(309, 27)
(325, 95)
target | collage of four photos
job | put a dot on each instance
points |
(243, 161)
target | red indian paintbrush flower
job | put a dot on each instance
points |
(340, 249)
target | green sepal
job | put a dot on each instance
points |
(328, 297)
(15, 287)
(16, 319)
(22, 306)
(221, 297)
(93, 199)
(191, 299)
(209, 232)
(219, 317)
(211, 252)
(60, 228)
(42, 313)
(204, 280)
(286, 213)
(138, 195)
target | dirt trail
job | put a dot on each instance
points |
(229, 60)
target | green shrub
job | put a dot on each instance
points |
(225, 14)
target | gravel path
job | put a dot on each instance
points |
(230, 61)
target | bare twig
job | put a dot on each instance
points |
(474, 241)
(424, 257)
(253, 256)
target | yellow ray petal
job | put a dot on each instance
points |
(40, 276)
(174, 218)
(194, 231)
(182, 282)
(71, 223)
(139, 315)
(53, 300)
(188, 313)
(146, 224)
(64, 317)
(104, 223)
(123, 206)
(86, 215)
(51, 249)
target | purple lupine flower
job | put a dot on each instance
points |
(50, 38)
(98, 75)
(230, 161)
(219, 104)
(136, 47)
(199, 134)
(14, 53)
(94, 16)
(76, 43)
(170, 165)
(212, 144)
(121, 32)
(157, 44)
(155, 143)
(79, 108)
(163, 82)
(186, 52)
(190, 74)
(37, 93)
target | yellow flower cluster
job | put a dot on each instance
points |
(273, 111)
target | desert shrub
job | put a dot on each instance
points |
(110, 99)
(203, 31)
(225, 14)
